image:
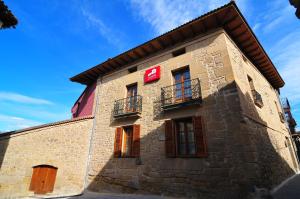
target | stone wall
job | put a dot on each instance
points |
(63, 145)
(217, 176)
(266, 136)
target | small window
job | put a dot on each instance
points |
(256, 95)
(127, 141)
(280, 114)
(178, 52)
(132, 69)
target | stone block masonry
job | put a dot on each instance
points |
(63, 145)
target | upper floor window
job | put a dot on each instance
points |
(131, 98)
(256, 95)
(182, 88)
(178, 52)
(132, 69)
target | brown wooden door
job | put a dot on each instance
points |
(43, 179)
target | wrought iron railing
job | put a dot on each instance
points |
(128, 106)
(257, 98)
(181, 93)
(285, 104)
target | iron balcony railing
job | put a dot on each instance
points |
(285, 104)
(257, 98)
(128, 106)
(187, 92)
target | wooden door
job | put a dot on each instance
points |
(43, 179)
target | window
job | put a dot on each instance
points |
(43, 179)
(281, 115)
(131, 98)
(182, 88)
(256, 95)
(132, 69)
(185, 138)
(178, 52)
(127, 141)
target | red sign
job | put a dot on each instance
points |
(152, 74)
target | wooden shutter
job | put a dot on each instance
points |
(118, 142)
(170, 139)
(135, 152)
(201, 149)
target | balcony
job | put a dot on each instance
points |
(257, 99)
(128, 107)
(282, 117)
(181, 94)
(285, 104)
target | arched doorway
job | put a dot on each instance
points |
(43, 179)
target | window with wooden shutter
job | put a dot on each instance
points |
(185, 138)
(201, 149)
(118, 142)
(136, 141)
(170, 146)
(127, 141)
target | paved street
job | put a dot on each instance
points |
(291, 190)
(92, 195)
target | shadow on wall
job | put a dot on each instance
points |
(240, 156)
(4, 140)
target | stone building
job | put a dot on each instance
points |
(194, 112)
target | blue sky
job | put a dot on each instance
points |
(58, 39)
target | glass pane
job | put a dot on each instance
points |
(187, 75)
(177, 77)
(182, 150)
(192, 150)
(128, 141)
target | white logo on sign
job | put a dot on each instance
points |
(153, 71)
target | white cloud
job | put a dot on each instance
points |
(13, 123)
(165, 15)
(93, 21)
(15, 97)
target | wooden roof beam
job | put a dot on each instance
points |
(152, 47)
(241, 34)
(236, 27)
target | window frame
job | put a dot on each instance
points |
(177, 134)
(124, 142)
(181, 72)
